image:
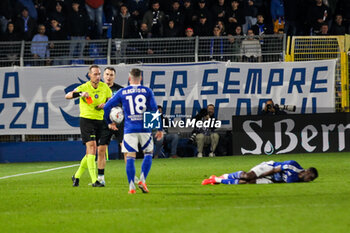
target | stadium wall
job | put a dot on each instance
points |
(12, 152)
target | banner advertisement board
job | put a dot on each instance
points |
(295, 133)
(32, 98)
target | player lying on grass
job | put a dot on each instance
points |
(266, 173)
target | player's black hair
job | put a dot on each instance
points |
(135, 72)
(110, 68)
(159, 106)
(314, 171)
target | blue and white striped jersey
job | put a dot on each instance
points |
(289, 171)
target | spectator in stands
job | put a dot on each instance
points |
(25, 25)
(10, 33)
(57, 50)
(171, 29)
(338, 27)
(317, 15)
(10, 51)
(111, 9)
(59, 14)
(144, 32)
(124, 24)
(154, 18)
(291, 9)
(169, 139)
(78, 23)
(189, 32)
(234, 17)
(217, 45)
(250, 13)
(324, 30)
(188, 45)
(344, 10)
(41, 11)
(94, 9)
(142, 48)
(219, 10)
(203, 11)
(221, 25)
(261, 28)
(66, 4)
(277, 14)
(177, 15)
(234, 45)
(5, 15)
(137, 8)
(165, 5)
(203, 26)
(238, 31)
(40, 47)
(29, 5)
(189, 13)
(271, 109)
(251, 48)
(207, 136)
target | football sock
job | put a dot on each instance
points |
(92, 167)
(229, 181)
(130, 171)
(219, 179)
(101, 174)
(145, 167)
(235, 175)
(82, 167)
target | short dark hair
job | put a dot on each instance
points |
(110, 68)
(93, 66)
(160, 106)
(314, 171)
(135, 72)
(210, 105)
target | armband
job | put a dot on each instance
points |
(76, 94)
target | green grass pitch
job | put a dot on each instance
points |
(177, 202)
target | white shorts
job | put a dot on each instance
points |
(131, 141)
(262, 168)
(264, 181)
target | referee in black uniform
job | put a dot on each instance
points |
(109, 75)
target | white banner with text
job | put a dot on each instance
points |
(32, 98)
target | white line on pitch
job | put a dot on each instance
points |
(47, 170)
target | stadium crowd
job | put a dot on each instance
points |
(77, 19)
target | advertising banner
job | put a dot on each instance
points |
(32, 98)
(295, 133)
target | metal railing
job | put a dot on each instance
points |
(311, 48)
(131, 51)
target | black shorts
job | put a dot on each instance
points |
(94, 130)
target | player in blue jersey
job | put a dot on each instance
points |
(267, 172)
(135, 99)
